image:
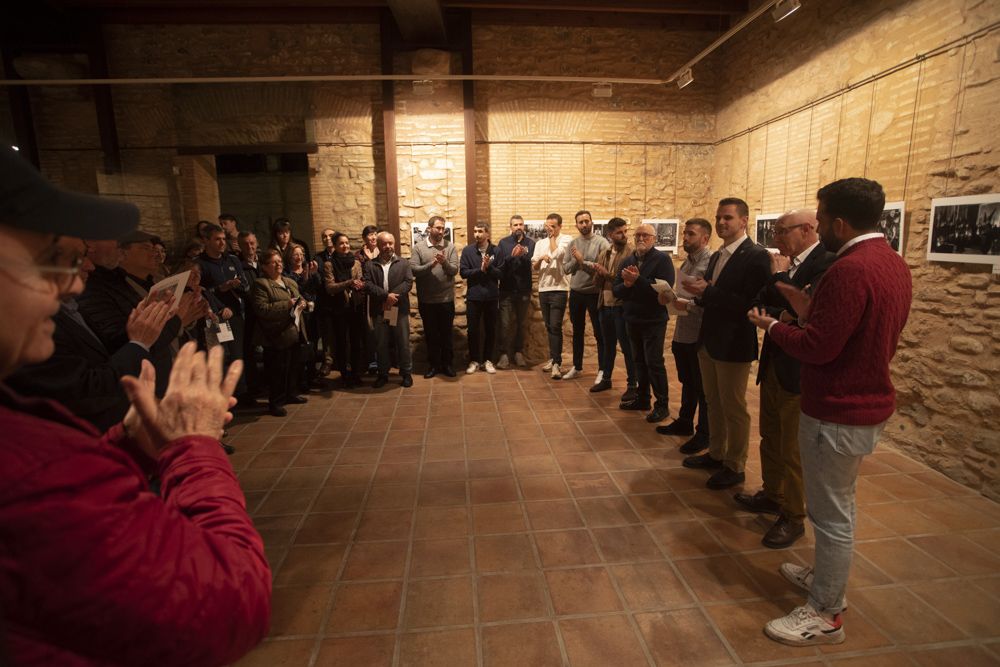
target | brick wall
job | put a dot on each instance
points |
(927, 130)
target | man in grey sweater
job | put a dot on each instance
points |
(583, 293)
(435, 263)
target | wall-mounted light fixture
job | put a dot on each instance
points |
(685, 78)
(602, 89)
(423, 87)
(784, 8)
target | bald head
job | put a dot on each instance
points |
(386, 244)
(795, 231)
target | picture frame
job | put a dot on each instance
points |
(892, 223)
(965, 230)
(667, 233)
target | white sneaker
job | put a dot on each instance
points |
(503, 363)
(804, 626)
(548, 366)
(520, 360)
(473, 367)
(556, 374)
(802, 576)
(600, 377)
(571, 373)
(489, 368)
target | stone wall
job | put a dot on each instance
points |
(925, 130)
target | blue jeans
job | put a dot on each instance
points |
(553, 306)
(613, 329)
(831, 454)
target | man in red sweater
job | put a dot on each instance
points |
(845, 338)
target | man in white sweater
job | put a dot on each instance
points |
(553, 287)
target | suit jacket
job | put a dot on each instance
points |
(273, 309)
(770, 299)
(639, 302)
(81, 374)
(726, 333)
(400, 282)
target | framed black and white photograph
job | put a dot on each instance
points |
(666, 233)
(763, 224)
(600, 228)
(418, 232)
(965, 229)
(535, 229)
(891, 224)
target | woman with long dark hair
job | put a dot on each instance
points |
(343, 282)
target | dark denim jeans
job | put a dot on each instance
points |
(692, 393)
(553, 309)
(579, 306)
(647, 355)
(613, 331)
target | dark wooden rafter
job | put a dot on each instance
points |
(389, 39)
(420, 21)
(469, 113)
(107, 127)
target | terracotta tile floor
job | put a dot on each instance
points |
(513, 520)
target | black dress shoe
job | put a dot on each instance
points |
(784, 533)
(634, 405)
(631, 393)
(603, 385)
(407, 381)
(228, 449)
(702, 462)
(277, 411)
(694, 445)
(658, 414)
(297, 400)
(758, 502)
(725, 479)
(431, 372)
(676, 427)
(381, 381)
(449, 372)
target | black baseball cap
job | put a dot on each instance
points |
(29, 202)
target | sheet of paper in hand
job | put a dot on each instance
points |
(171, 286)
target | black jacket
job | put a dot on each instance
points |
(726, 332)
(400, 282)
(640, 304)
(770, 299)
(106, 304)
(82, 374)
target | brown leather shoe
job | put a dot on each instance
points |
(784, 533)
(757, 502)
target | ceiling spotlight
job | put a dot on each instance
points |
(685, 78)
(601, 90)
(16, 148)
(423, 87)
(784, 8)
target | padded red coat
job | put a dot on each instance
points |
(96, 569)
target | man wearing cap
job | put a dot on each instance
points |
(95, 568)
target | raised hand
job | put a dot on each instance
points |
(798, 299)
(697, 286)
(629, 275)
(145, 322)
(759, 318)
(780, 263)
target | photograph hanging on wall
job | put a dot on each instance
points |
(764, 228)
(965, 229)
(666, 233)
(418, 232)
(535, 229)
(891, 224)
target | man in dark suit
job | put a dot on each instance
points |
(388, 280)
(801, 262)
(82, 374)
(735, 274)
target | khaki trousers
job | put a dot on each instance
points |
(780, 464)
(725, 385)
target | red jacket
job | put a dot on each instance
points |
(857, 313)
(96, 569)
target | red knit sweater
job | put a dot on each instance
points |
(856, 316)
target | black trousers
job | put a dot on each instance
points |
(692, 393)
(482, 318)
(439, 320)
(282, 369)
(349, 332)
(647, 355)
(580, 305)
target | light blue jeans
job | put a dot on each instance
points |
(831, 454)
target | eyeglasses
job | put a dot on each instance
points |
(781, 231)
(643, 235)
(61, 277)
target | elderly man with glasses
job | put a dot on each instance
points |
(646, 320)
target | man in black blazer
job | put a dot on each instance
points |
(802, 262)
(736, 272)
(388, 280)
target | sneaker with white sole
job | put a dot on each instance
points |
(473, 367)
(599, 378)
(804, 626)
(548, 366)
(802, 576)
(519, 359)
(503, 363)
(556, 373)
(571, 373)
(489, 367)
